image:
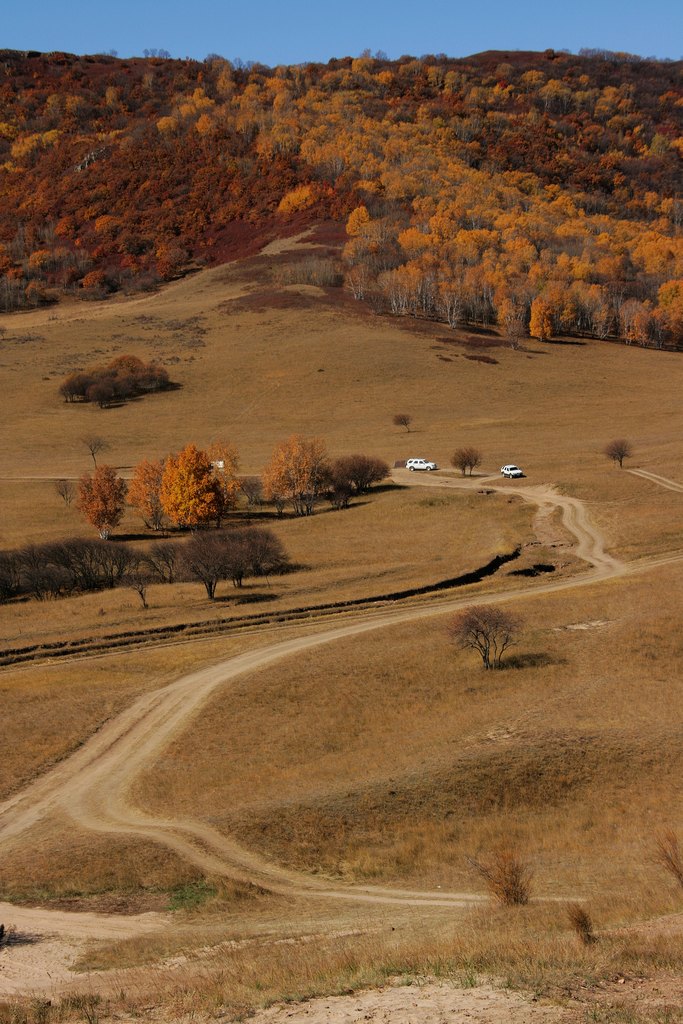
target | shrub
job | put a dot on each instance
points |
(668, 854)
(581, 922)
(506, 875)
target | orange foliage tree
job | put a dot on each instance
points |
(189, 493)
(144, 492)
(225, 465)
(298, 472)
(101, 499)
(541, 322)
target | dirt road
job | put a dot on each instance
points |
(92, 786)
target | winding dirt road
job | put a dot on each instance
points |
(92, 786)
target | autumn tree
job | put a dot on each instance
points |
(298, 472)
(487, 629)
(541, 322)
(144, 492)
(101, 499)
(467, 458)
(402, 419)
(619, 450)
(189, 493)
(225, 465)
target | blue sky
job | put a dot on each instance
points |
(292, 31)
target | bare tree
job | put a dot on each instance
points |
(66, 491)
(619, 450)
(138, 581)
(486, 629)
(252, 489)
(162, 558)
(357, 473)
(95, 445)
(466, 458)
(403, 419)
(204, 558)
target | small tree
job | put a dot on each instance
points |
(189, 493)
(95, 445)
(66, 491)
(358, 472)
(403, 419)
(298, 471)
(619, 450)
(101, 499)
(486, 629)
(466, 459)
(138, 581)
(205, 559)
(144, 493)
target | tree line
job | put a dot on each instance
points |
(194, 488)
(81, 565)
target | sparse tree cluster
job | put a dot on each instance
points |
(232, 555)
(123, 378)
(466, 459)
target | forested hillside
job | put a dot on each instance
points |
(540, 192)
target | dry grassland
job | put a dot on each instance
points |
(394, 759)
(387, 760)
(50, 710)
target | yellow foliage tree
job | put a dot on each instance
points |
(297, 472)
(358, 220)
(300, 198)
(541, 322)
(189, 493)
(144, 492)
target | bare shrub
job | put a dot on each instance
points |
(619, 450)
(467, 458)
(66, 491)
(162, 559)
(402, 419)
(668, 854)
(506, 875)
(486, 629)
(581, 922)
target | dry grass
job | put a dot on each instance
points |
(50, 711)
(533, 950)
(393, 758)
(571, 753)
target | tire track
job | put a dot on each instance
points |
(93, 785)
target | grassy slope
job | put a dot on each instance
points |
(572, 753)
